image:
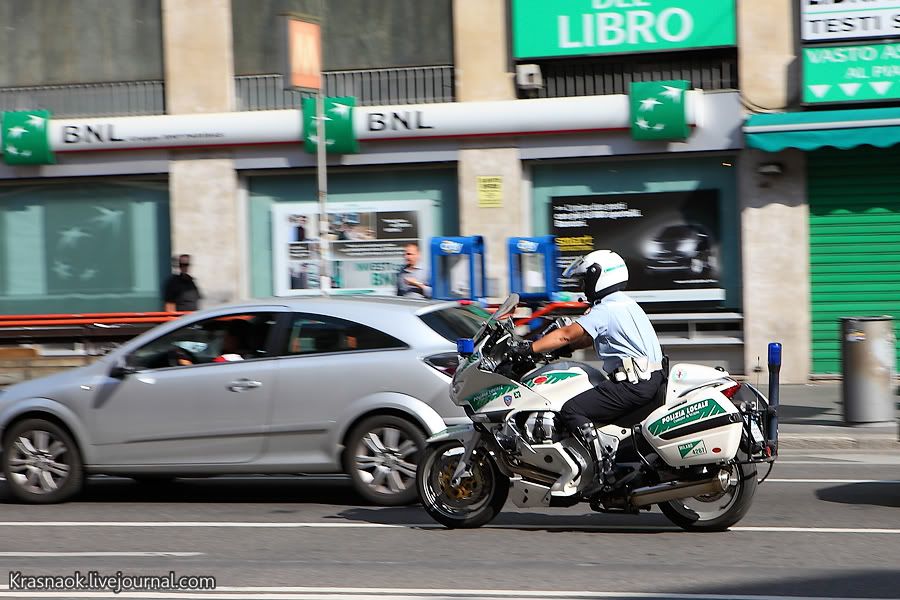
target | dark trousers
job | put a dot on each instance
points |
(608, 401)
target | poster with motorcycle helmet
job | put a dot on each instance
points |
(669, 240)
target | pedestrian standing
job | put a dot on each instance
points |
(412, 280)
(181, 292)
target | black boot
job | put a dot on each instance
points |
(591, 441)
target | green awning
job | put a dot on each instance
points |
(838, 128)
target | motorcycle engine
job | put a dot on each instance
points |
(543, 428)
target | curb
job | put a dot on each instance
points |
(800, 441)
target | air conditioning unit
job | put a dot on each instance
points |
(528, 77)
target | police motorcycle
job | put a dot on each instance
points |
(693, 452)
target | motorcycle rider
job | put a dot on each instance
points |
(625, 342)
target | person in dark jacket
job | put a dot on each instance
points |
(180, 292)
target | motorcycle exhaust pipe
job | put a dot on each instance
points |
(675, 490)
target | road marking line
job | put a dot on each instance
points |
(843, 463)
(95, 554)
(300, 593)
(774, 480)
(312, 525)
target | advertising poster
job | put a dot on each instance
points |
(365, 244)
(669, 240)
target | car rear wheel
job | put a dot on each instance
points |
(41, 462)
(381, 458)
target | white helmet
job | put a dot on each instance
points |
(602, 272)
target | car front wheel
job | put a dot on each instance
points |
(41, 462)
(381, 458)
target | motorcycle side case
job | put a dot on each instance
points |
(703, 427)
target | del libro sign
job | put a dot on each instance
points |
(543, 28)
(851, 73)
(849, 19)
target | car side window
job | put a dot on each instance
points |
(317, 334)
(222, 339)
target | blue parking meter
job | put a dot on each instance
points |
(533, 269)
(457, 268)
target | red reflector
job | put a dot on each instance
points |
(730, 392)
(716, 450)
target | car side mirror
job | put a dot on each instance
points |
(120, 370)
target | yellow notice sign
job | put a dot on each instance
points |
(490, 191)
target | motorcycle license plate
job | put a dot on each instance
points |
(756, 432)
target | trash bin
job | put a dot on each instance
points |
(867, 366)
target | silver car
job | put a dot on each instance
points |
(314, 385)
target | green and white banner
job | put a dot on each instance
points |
(851, 73)
(30, 137)
(658, 110)
(25, 138)
(548, 28)
(338, 117)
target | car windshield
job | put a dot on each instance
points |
(456, 322)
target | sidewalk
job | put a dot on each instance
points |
(811, 418)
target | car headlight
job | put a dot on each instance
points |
(687, 246)
(652, 248)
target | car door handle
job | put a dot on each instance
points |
(242, 385)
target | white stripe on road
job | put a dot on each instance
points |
(95, 554)
(308, 593)
(774, 480)
(314, 525)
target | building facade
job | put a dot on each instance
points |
(496, 118)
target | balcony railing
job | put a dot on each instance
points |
(372, 87)
(407, 85)
(122, 98)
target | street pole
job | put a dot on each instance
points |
(324, 276)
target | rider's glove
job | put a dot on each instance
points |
(562, 352)
(522, 348)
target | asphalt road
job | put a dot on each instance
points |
(824, 525)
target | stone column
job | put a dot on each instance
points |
(484, 73)
(775, 248)
(774, 208)
(767, 60)
(199, 78)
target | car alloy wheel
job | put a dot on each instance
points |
(381, 458)
(41, 462)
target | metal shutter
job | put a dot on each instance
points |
(854, 243)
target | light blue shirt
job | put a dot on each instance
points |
(620, 327)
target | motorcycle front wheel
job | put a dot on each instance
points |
(477, 499)
(716, 512)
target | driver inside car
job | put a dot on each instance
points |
(625, 342)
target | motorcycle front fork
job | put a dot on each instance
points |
(462, 467)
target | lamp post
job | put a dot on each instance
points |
(322, 185)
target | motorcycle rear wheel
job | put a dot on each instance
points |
(716, 512)
(475, 501)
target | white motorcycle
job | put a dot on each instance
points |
(693, 452)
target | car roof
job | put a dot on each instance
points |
(348, 302)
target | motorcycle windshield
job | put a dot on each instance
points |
(573, 267)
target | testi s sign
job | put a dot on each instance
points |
(584, 27)
(849, 19)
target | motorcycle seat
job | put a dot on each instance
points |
(636, 416)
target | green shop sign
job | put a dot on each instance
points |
(851, 73)
(25, 138)
(338, 118)
(658, 110)
(543, 28)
